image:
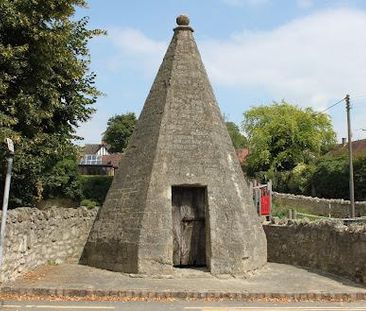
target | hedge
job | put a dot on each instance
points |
(331, 177)
(95, 187)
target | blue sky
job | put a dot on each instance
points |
(308, 52)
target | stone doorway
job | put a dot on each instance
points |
(189, 206)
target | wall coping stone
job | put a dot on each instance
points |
(315, 199)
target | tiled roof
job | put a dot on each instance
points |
(91, 148)
(242, 154)
(112, 159)
(358, 147)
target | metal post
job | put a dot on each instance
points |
(350, 158)
(270, 197)
(5, 207)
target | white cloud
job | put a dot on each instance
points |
(245, 2)
(305, 4)
(135, 53)
(312, 60)
(135, 41)
(136, 50)
(92, 130)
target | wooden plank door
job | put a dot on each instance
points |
(189, 235)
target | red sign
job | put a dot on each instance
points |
(265, 207)
(262, 199)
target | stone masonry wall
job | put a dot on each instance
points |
(337, 208)
(34, 237)
(325, 246)
(180, 140)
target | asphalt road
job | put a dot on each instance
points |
(177, 306)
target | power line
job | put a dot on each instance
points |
(333, 105)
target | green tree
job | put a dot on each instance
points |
(118, 132)
(282, 135)
(300, 179)
(331, 177)
(238, 139)
(46, 89)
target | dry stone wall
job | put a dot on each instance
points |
(336, 208)
(325, 246)
(34, 237)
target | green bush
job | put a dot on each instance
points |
(279, 211)
(63, 181)
(95, 187)
(299, 181)
(279, 179)
(89, 203)
(359, 168)
(331, 177)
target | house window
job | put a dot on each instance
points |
(91, 159)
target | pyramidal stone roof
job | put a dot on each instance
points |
(179, 196)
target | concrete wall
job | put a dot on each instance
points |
(311, 205)
(326, 246)
(35, 237)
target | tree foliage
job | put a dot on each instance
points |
(95, 188)
(300, 179)
(282, 135)
(331, 177)
(238, 139)
(118, 132)
(46, 90)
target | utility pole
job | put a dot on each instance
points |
(9, 158)
(350, 157)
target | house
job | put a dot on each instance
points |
(97, 160)
(242, 155)
(358, 148)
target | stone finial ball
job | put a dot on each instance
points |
(182, 20)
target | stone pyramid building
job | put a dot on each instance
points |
(179, 197)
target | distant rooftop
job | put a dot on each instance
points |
(112, 159)
(242, 154)
(358, 147)
(93, 148)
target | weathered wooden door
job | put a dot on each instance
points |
(189, 234)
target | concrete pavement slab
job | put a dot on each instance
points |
(273, 281)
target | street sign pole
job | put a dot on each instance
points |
(6, 197)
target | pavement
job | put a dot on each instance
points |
(274, 282)
(179, 305)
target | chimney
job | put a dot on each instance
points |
(344, 141)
